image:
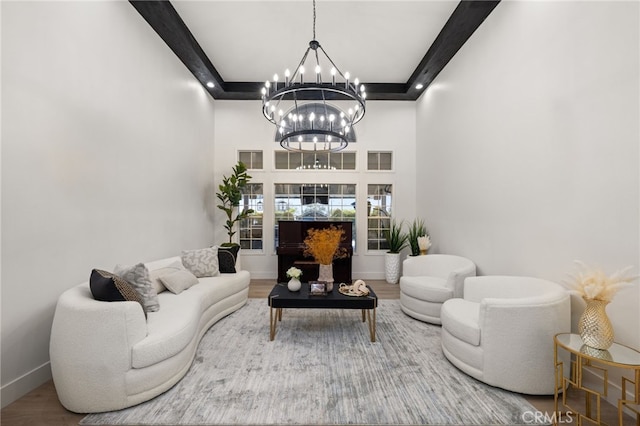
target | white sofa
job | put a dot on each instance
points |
(428, 281)
(106, 356)
(501, 331)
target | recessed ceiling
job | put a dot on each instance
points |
(388, 45)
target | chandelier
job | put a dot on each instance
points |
(299, 108)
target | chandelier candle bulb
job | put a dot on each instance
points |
(301, 74)
(346, 78)
(287, 74)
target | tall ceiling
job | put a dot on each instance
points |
(389, 45)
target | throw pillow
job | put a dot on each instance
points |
(201, 262)
(138, 277)
(227, 259)
(155, 275)
(179, 281)
(108, 287)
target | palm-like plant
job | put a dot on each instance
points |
(396, 239)
(416, 229)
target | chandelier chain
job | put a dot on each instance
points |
(314, 19)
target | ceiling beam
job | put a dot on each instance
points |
(465, 19)
(167, 23)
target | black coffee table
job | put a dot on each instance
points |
(281, 298)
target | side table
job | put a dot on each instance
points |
(583, 356)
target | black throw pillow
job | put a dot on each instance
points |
(108, 287)
(227, 259)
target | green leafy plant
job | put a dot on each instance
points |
(396, 239)
(230, 196)
(416, 229)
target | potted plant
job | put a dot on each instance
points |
(230, 195)
(324, 246)
(396, 241)
(418, 229)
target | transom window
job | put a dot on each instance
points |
(287, 160)
(379, 160)
(251, 159)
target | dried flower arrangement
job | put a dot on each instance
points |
(594, 284)
(324, 244)
(294, 272)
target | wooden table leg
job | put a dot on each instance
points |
(372, 323)
(273, 321)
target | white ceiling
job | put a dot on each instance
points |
(376, 41)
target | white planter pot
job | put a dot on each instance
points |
(392, 267)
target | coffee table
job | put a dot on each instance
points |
(281, 298)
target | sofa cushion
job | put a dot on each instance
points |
(211, 290)
(155, 274)
(227, 259)
(461, 318)
(169, 330)
(432, 289)
(178, 281)
(138, 277)
(201, 262)
(108, 287)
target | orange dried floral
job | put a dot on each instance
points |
(324, 244)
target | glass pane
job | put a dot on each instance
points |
(256, 160)
(372, 161)
(295, 160)
(282, 160)
(245, 157)
(335, 160)
(385, 161)
(349, 161)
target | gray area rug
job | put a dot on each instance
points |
(323, 369)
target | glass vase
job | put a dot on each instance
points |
(594, 325)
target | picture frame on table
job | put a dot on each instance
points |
(318, 288)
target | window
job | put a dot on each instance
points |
(315, 201)
(251, 159)
(379, 160)
(286, 160)
(251, 227)
(378, 216)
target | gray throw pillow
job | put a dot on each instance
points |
(138, 277)
(178, 281)
(155, 275)
(201, 262)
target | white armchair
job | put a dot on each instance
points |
(428, 281)
(501, 331)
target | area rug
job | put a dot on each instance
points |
(322, 369)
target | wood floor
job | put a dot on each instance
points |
(41, 406)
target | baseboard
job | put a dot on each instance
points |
(24, 384)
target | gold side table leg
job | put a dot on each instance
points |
(363, 315)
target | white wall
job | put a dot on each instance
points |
(106, 156)
(386, 126)
(530, 143)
